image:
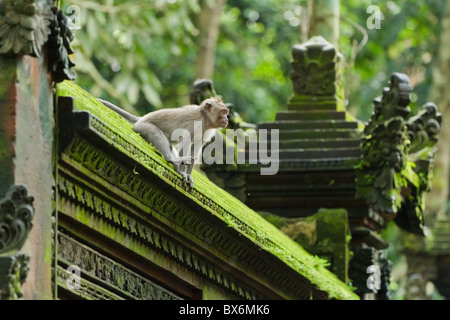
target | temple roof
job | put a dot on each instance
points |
(220, 211)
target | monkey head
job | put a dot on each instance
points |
(216, 112)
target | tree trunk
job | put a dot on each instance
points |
(437, 199)
(208, 23)
(325, 20)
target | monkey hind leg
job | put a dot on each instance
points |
(153, 135)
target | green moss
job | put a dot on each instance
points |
(324, 234)
(7, 76)
(227, 208)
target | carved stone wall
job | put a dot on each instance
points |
(116, 280)
(113, 221)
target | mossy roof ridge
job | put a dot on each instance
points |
(260, 231)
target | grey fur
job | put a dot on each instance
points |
(157, 128)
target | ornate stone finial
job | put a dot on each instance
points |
(393, 103)
(384, 151)
(16, 214)
(203, 89)
(396, 99)
(24, 26)
(58, 48)
(317, 73)
(424, 128)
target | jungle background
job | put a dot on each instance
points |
(144, 55)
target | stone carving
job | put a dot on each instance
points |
(202, 89)
(87, 289)
(24, 26)
(385, 292)
(236, 121)
(397, 156)
(370, 272)
(58, 48)
(16, 214)
(423, 129)
(363, 258)
(13, 272)
(393, 103)
(316, 69)
(385, 148)
(115, 275)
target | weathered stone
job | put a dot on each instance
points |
(58, 48)
(16, 215)
(310, 115)
(325, 234)
(24, 26)
(386, 178)
(317, 74)
(13, 272)
(26, 138)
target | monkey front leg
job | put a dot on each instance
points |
(188, 172)
(195, 148)
(187, 178)
(188, 156)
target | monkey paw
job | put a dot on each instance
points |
(188, 180)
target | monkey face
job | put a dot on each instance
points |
(223, 117)
(217, 113)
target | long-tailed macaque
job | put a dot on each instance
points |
(161, 126)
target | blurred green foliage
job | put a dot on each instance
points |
(407, 42)
(141, 54)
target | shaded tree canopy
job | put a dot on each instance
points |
(142, 54)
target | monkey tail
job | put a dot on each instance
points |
(128, 116)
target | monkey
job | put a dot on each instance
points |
(158, 127)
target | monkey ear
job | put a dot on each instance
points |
(207, 107)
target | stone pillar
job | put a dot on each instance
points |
(27, 29)
(26, 132)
